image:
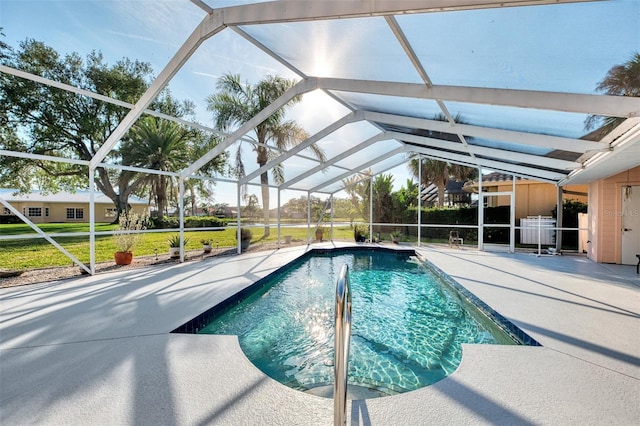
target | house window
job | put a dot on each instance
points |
(6, 211)
(75, 213)
(46, 211)
(110, 212)
(34, 212)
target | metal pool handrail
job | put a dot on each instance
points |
(342, 343)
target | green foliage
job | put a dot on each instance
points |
(570, 210)
(166, 222)
(252, 207)
(60, 123)
(438, 172)
(621, 80)
(297, 207)
(236, 103)
(174, 240)
(245, 234)
(360, 233)
(56, 122)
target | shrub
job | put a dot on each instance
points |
(189, 222)
(174, 240)
(360, 233)
(245, 234)
(127, 232)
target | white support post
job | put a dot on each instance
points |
(371, 209)
(92, 223)
(181, 210)
(308, 218)
(559, 209)
(419, 200)
(480, 212)
(331, 228)
(539, 235)
(238, 219)
(278, 217)
(512, 219)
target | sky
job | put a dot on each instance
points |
(559, 48)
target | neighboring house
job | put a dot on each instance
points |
(454, 194)
(63, 206)
(614, 218)
(533, 198)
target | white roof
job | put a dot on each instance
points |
(61, 197)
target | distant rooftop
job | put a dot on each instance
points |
(10, 194)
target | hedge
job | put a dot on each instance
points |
(189, 222)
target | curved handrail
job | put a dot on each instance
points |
(342, 343)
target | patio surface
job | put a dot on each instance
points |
(97, 350)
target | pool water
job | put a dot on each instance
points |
(407, 330)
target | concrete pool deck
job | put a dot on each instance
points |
(97, 350)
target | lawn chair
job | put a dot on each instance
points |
(454, 239)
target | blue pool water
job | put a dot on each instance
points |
(407, 331)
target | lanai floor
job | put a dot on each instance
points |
(97, 350)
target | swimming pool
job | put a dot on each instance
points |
(408, 322)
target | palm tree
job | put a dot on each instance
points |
(236, 103)
(621, 80)
(160, 145)
(439, 172)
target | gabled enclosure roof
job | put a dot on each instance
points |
(500, 85)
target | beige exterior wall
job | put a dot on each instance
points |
(605, 201)
(533, 198)
(58, 211)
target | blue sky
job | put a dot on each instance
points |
(565, 47)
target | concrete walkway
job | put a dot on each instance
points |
(97, 350)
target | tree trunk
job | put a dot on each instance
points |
(104, 185)
(161, 194)
(264, 180)
(192, 192)
(441, 189)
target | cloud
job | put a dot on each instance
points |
(207, 75)
(139, 37)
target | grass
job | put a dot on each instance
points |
(31, 253)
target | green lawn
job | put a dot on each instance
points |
(33, 253)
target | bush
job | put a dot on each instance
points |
(127, 235)
(458, 216)
(360, 233)
(174, 241)
(7, 219)
(245, 234)
(189, 222)
(570, 211)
